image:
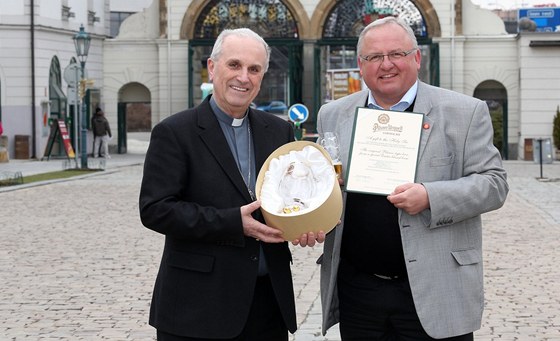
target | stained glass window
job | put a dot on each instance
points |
(269, 18)
(349, 17)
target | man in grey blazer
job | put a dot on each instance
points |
(408, 266)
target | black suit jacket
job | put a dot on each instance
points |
(191, 192)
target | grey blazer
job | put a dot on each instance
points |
(463, 175)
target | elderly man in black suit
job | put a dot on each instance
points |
(224, 274)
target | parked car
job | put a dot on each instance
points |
(275, 107)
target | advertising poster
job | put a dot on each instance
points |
(540, 19)
(342, 82)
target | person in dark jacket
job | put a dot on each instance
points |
(224, 274)
(101, 134)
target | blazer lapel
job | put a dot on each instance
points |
(423, 105)
(213, 137)
(262, 141)
(346, 118)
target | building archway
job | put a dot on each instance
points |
(341, 23)
(195, 9)
(325, 7)
(276, 21)
(495, 95)
(134, 114)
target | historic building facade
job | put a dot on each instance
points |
(156, 65)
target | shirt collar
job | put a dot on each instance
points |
(403, 104)
(225, 118)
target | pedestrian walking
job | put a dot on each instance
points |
(101, 134)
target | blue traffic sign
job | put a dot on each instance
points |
(298, 113)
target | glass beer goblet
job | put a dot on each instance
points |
(332, 146)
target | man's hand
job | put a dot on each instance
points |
(255, 229)
(309, 239)
(411, 198)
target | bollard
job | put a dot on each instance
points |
(540, 156)
(298, 133)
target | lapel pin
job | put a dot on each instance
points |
(426, 126)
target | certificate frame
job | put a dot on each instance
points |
(384, 150)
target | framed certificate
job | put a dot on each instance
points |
(384, 150)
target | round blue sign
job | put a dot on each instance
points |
(298, 113)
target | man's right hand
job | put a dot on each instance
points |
(255, 229)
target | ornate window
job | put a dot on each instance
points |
(269, 18)
(349, 17)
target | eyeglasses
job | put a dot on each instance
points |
(393, 56)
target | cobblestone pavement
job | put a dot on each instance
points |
(77, 264)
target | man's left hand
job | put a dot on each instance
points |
(411, 198)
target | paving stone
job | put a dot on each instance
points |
(77, 264)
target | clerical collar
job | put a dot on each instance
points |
(403, 104)
(237, 122)
(225, 118)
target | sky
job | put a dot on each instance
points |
(513, 4)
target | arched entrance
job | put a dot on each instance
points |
(495, 95)
(134, 114)
(274, 21)
(335, 52)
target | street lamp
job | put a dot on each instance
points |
(81, 42)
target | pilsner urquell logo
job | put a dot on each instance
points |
(384, 125)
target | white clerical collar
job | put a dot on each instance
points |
(225, 118)
(237, 122)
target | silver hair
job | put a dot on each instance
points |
(240, 32)
(385, 21)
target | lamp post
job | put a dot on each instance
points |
(81, 42)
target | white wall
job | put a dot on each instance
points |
(11, 7)
(177, 10)
(539, 86)
(141, 25)
(130, 5)
(50, 9)
(495, 58)
(477, 21)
